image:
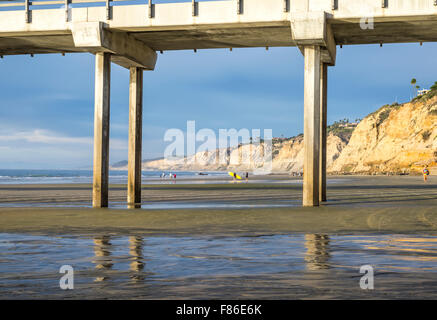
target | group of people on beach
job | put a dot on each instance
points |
(163, 175)
(170, 175)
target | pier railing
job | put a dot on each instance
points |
(30, 5)
(288, 5)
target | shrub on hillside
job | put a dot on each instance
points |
(425, 135)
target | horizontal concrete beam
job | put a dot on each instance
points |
(263, 23)
(126, 50)
(311, 28)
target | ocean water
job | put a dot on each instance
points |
(270, 266)
(25, 176)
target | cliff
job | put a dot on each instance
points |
(395, 139)
(287, 157)
(398, 139)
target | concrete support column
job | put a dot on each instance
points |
(101, 130)
(323, 126)
(135, 137)
(311, 126)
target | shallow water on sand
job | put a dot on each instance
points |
(167, 205)
(277, 266)
(29, 176)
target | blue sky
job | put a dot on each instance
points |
(47, 102)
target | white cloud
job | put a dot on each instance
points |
(44, 136)
(39, 148)
(54, 138)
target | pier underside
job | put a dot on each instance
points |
(345, 32)
(131, 36)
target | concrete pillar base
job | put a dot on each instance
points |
(311, 126)
(135, 137)
(323, 127)
(101, 130)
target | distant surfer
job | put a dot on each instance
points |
(234, 176)
(247, 176)
(425, 174)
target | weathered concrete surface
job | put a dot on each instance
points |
(217, 24)
(311, 126)
(323, 129)
(311, 28)
(135, 137)
(126, 50)
(101, 130)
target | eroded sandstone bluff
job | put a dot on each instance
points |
(395, 139)
(287, 157)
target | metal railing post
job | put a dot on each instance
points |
(108, 9)
(150, 9)
(286, 5)
(26, 11)
(66, 10)
(194, 8)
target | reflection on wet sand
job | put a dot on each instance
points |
(407, 248)
(103, 259)
(102, 254)
(317, 255)
(134, 206)
(102, 246)
(136, 252)
(291, 266)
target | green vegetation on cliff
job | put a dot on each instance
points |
(342, 129)
(430, 94)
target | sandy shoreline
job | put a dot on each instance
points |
(356, 204)
(208, 253)
(218, 222)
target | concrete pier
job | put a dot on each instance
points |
(130, 35)
(135, 137)
(101, 130)
(323, 127)
(311, 126)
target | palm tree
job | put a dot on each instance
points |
(413, 83)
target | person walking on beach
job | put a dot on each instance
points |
(425, 174)
(247, 177)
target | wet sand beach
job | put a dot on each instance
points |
(222, 240)
(356, 204)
